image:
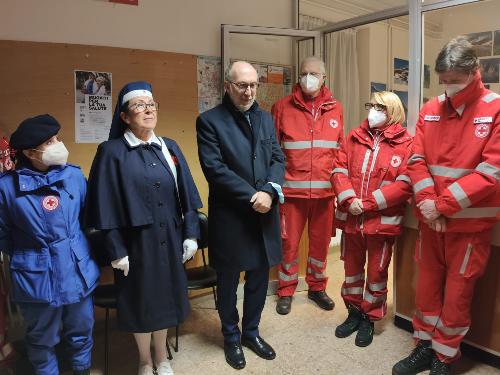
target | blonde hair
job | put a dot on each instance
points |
(395, 109)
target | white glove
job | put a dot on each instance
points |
(121, 264)
(190, 246)
(356, 207)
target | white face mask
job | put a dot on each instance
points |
(376, 118)
(452, 89)
(309, 84)
(55, 154)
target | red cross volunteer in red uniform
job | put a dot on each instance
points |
(455, 169)
(309, 126)
(372, 186)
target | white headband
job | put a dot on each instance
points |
(135, 93)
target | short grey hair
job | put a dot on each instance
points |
(314, 59)
(457, 54)
(228, 73)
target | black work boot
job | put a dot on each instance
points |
(364, 337)
(439, 368)
(350, 325)
(419, 360)
(321, 299)
(284, 305)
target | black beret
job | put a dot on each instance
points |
(34, 131)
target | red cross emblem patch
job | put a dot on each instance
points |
(50, 202)
(334, 123)
(396, 161)
(482, 130)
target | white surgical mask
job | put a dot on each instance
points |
(376, 118)
(309, 84)
(452, 89)
(55, 154)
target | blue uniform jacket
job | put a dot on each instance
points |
(40, 230)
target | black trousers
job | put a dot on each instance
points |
(253, 303)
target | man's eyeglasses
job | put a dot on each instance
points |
(376, 106)
(317, 75)
(243, 86)
(141, 107)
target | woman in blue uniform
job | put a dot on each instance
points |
(142, 194)
(53, 274)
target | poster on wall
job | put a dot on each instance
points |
(481, 42)
(401, 71)
(209, 82)
(496, 42)
(93, 106)
(377, 87)
(275, 74)
(403, 96)
(261, 72)
(489, 70)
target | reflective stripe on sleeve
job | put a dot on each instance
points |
(415, 157)
(476, 213)
(341, 170)
(380, 199)
(391, 220)
(489, 170)
(346, 194)
(441, 171)
(459, 195)
(353, 279)
(403, 177)
(307, 184)
(423, 184)
(490, 97)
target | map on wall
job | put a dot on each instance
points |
(268, 94)
(209, 81)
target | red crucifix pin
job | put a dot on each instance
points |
(482, 130)
(50, 202)
(396, 161)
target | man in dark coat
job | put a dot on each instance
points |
(244, 167)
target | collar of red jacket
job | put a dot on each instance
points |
(324, 100)
(391, 131)
(468, 94)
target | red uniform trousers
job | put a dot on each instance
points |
(369, 297)
(295, 212)
(449, 265)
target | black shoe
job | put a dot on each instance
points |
(321, 299)
(259, 347)
(419, 360)
(364, 337)
(234, 355)
(439, 368)
(350, 325)
(284, 305)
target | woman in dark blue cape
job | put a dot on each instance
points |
(142, 194)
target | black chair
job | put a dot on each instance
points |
(200, 277)
(105, 294)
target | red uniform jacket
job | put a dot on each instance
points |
(456, 159)
(371, 166)
(310, 133)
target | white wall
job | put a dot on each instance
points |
(186, 26)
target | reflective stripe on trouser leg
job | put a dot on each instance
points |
(320, 222)
(295, 213)
(379, 250)
(354, 268)
(467, 256)
(430, 282)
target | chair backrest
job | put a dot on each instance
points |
(203, 221)
(97, 243)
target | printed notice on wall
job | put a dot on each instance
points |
(93, 106)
